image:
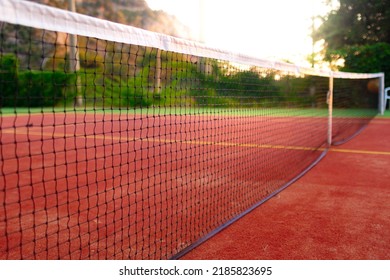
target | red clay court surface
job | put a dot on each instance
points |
(107, 187)
(339, 210)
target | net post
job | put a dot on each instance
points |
(382, 102)
(330, 110)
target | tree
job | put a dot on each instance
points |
(358, 32)
(367, 58)
(356, 23)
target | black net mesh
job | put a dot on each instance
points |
(133, 152)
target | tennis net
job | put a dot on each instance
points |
(119, 143)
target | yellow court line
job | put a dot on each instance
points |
(363, 152)
(29, 131)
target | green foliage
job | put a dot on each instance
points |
(133, 92)
(356, 22)
(302, 92)
(110, 91)
(28, 88)
(359, 33)
(8, 64)
(8, 79)
(128, 81)
(367, 58)
(247, 88)
(41, 89)
(364, 59)
(239, 88)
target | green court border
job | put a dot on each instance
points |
(182, 111)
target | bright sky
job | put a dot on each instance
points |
(274, 29)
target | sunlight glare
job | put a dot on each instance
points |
(278, 29)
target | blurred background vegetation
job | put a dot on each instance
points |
(125, 76)
(357, 33)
